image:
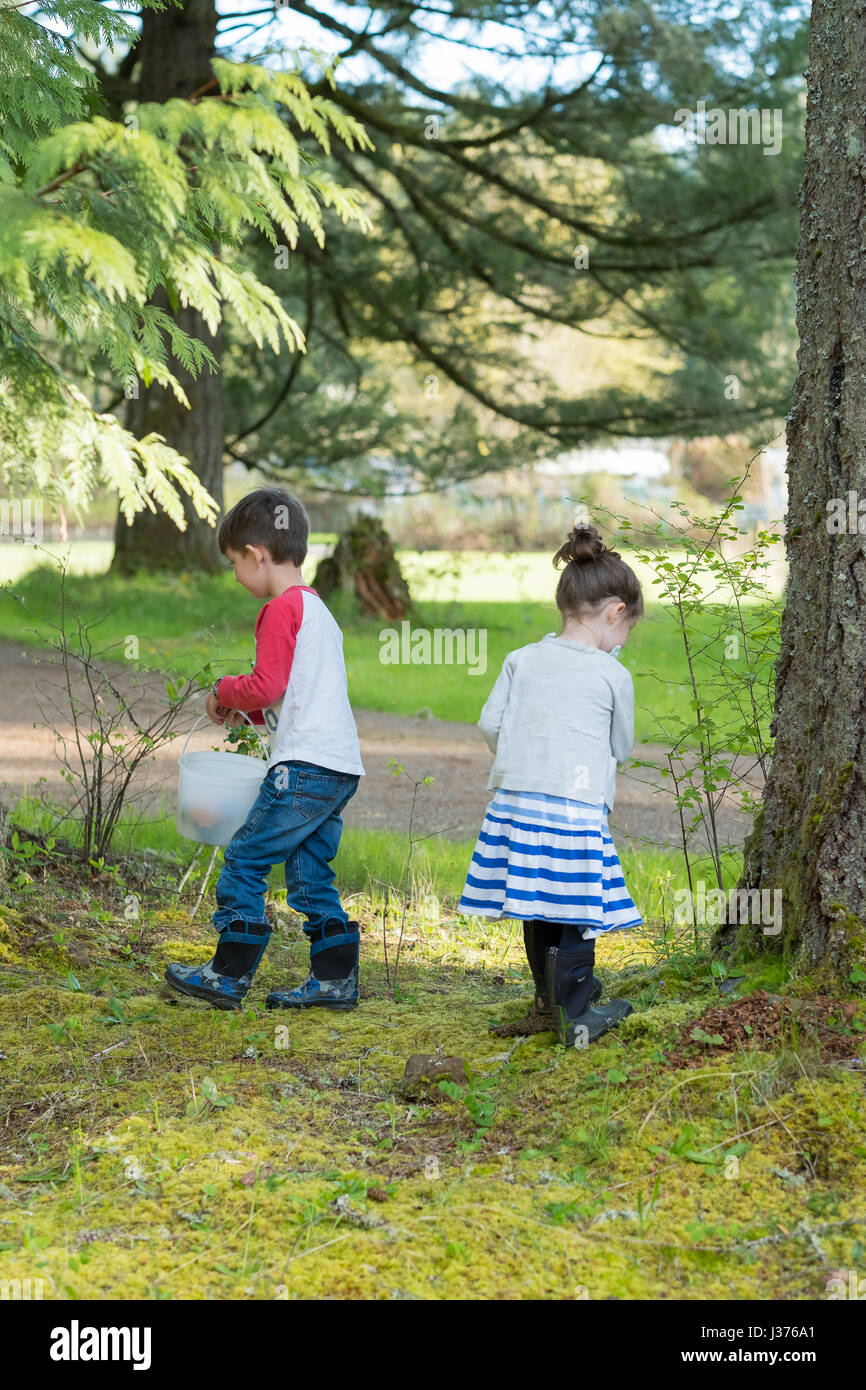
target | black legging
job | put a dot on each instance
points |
(572, 941)
(567, 937)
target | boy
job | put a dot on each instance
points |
(297, 690)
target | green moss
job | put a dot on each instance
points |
(846, 948)
(606, 1174)
(830, 803)
(769, 973)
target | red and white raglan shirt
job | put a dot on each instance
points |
(297, 688)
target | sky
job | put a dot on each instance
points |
(442, 63)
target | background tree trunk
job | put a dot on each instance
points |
(175, 51)
(809, 840)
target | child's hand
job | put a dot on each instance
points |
(215, 712)
(221, 714)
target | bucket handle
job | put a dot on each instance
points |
(246, 717)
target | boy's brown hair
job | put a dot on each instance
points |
(271, 517)
(593, 574)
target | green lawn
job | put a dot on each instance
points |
(187, 621)
(443, 575)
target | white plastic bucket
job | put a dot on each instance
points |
(216, 791)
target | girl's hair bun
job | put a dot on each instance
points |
(584, 546)
(593, 575)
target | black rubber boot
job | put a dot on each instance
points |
(227, 977)
(329, 962)
(333, 978)
(538, 938)
(569, 987)
(236, 956)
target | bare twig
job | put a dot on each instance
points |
(96, 1056)
(204, 884)
(189, 869)
(385, 933)
(413, 840)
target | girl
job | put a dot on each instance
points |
(559, 719)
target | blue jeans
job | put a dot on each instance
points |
(296, 818)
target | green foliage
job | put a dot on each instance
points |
(42, 81)
(117, 1014)
(480, 1106)
(107, 224)
(207, 1099)
(728, 665)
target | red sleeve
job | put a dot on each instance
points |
(277, 628)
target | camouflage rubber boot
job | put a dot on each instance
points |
(538, 938)
(333, 979)
(225, 991)
(569, 986)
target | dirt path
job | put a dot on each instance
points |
(31, 688)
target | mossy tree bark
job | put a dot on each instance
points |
(809, 843)
(175, 50)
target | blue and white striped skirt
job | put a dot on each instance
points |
(548, 858)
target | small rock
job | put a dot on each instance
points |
(730, 984)
(425, 1070)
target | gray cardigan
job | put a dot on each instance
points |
(559, 719)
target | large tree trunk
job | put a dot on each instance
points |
(175, 51)
(809, 841)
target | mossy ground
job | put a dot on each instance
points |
(124, 1173)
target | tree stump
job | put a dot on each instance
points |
(364, 565)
